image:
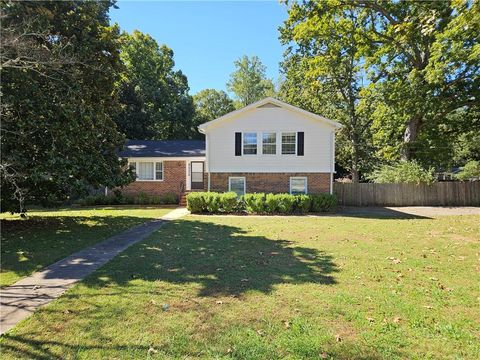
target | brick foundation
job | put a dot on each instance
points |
(271, 182)
(174, 175)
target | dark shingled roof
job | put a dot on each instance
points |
(163, 148)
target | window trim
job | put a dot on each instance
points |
(275, 143)
(281, 143)
(304, 178)
(237, 177)
(256, 142)
(154, 170)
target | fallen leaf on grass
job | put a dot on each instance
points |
(397, 319)
(260, 332)
(153, 302)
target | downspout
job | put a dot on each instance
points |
(332, 162)
(207, 160)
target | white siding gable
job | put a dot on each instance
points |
(318, 142)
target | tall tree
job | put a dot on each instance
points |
(59, 64)
(209, 105)
(249, 82)
(154, 97)
(422, 59)
(325, 75)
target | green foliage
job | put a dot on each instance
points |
(409, 172)
(121, 199)
(229, 202)
(212, 202)
(154, 97)
(259, 203)
(470, 170)
(210, 104)
(303, 203)
(255, 202)
(323, 203)
(196, 202)
(420, 61)
(279, 203)
(249, 82)
(324, 75)
(60, 61)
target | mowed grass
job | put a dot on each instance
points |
(48, 236)
(273, 288)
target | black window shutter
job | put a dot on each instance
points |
(238, 144)
(300, 143)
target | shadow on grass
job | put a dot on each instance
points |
(31, 244)
(213, 260)
(375, 212)
(225, 260)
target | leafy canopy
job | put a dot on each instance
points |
(60, 61)
(154, 97)
(249, 82)
(210, 104)
(420, 61)
(409, 172)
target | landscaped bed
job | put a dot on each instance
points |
(264, 288)
(45, 236)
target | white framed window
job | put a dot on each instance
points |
(289, 143)
(298, 185)
(269, 143)
(159, 171)
(237, 185)
(147, 170)
(249, 143)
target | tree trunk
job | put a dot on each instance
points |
(410, 137)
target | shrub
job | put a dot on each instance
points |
(302, 204)
(322, 202)
(169, 199)
(469, 171)
(254, 203)
(280, 203)
(141, 199)
(229, 202)
(121, 199)
(196, 202)
(257, 203)
(402, 172)
(212, 201)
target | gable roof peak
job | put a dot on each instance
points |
(268, 100)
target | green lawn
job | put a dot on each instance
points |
(47, 236)
(273, 288)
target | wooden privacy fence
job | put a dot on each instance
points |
(438, 194)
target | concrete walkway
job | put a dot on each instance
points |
(21, 299)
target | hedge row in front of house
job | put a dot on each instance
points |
(259, 203)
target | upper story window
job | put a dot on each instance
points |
(269, 143)
(249, 143)
(289, 143)
(147, 170)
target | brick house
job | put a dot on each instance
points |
(268, 146)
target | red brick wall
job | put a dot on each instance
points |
(174, 175)
(272, 182)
